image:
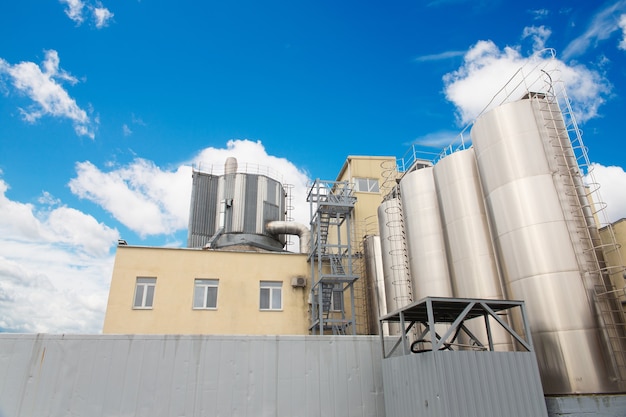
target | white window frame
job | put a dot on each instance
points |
(336, 298)
(146, 288)
(274, 291)
(366, 185)
(203, 284)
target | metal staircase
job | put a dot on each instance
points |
(331, 257)
(564, 144)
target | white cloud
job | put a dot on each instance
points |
(252, 156)
(540, 13)
(142, 196)
(126, 130)
(487, 69)
(102, 15)
(438, 141)
(74, 10)
(440, 56)
(612, 183)
(153, 201)
(622, 25)
(48, 95)
(55, 267)
(601, 27)
(539, 35)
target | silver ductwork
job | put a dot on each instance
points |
(280, 227)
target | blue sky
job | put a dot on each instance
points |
(105, 106)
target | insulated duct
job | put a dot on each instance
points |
(280, 227)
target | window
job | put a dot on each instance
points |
(367, 185)
(205, 294)
(144, 292)
(271, 295)
(336, 301)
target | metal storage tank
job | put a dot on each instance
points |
(374, 274)
(397, 282)
(428, 265)
(234, 209)
(471, 258)
(537, 258)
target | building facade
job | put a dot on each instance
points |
(196, 291)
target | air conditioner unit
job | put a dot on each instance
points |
(298, 282)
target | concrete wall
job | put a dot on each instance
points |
(237, 312)
(115, 375)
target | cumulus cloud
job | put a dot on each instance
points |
(153, 201)
(253, 157)
(55, 267)
(140, 195)
(538, 34)
(602, 25)
(74, 10)
(102, 16)
(43, 86)
(487, 68)
(612, 183)
(622, 25)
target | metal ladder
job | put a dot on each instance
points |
(580, 212)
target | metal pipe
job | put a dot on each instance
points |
(281, 227)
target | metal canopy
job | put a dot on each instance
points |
(432, 315)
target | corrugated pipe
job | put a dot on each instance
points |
(280, 227)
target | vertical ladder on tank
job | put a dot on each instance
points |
(578, 207)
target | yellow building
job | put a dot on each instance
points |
(232, 291)
(196, 291)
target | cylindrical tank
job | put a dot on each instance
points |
(471, 259)
(536, 254)
(398, 292)
(374, 275)
(234, 209)
(428, 265)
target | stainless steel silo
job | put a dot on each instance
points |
(397, 282)
(471, 258)
(374, 273)
(428, 265)
(534, 240)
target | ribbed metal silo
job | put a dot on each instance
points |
(428, 265)
(398, 291)
(471, 258)
(535, 240)
(234, 209)
(374, 273)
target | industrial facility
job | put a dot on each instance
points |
(482, 281)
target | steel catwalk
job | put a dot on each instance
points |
(428, 265)
(535, 251)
